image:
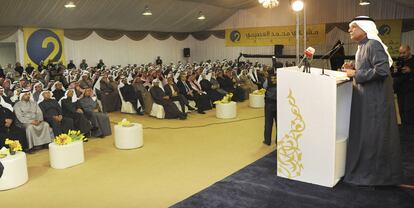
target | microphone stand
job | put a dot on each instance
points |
(306, 66)
(329, 55)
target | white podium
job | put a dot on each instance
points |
(129, 137)
(313, 115)
(15, 171)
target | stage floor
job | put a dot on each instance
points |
(257, 186)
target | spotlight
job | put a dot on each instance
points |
(201, 16)
(70, 5)
(297, 5)
(364, 2)
(147, 11)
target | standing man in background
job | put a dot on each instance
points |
(404, 86)
(158, 61)
(270, 104)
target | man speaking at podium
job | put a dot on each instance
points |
(373, 153)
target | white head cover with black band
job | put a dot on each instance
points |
(42, 98)
(25, 91)
(4, 103)
(367, 24)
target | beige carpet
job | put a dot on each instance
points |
(179, 158)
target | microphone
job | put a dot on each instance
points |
(307, 58)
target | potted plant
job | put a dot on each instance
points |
(14, 146)
(66, 150)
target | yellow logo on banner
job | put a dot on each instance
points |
(390, 34)
(43, 45)
(268, 36)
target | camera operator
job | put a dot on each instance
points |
(404, 85)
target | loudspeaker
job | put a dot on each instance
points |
(279, 50)
(186, 52)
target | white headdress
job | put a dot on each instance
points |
(4, 103)
(367, 24)
(23, 92)
(54, 86)
(41, 98)
(74, 96)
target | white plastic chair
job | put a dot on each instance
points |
(126, 107)
(157, 111)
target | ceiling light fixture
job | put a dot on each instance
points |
(364, 2)
(147, 11)
(201, 16)
(268, 4)
(70, 5)
(297, 5)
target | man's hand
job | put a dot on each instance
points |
(57, 118)
(406, 70)
(166, 97)
(8, 122)
(348, 65)
(349, 72)
(79, 110)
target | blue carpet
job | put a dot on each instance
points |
(257, 186)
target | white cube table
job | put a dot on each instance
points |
(226, 110)
(129, 137)
(15, 171)
(256, 101)
(64, 156)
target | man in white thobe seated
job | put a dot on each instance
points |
(30, 117)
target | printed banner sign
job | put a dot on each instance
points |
(269, 36)
(390, 34)
(43, 45)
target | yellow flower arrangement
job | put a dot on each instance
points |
(125, 123)
(77, 135)
(226, 99)
(63, 139)
(259, 92)
(14, 145)
(70, 137)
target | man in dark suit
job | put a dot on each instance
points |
(29, 69)
(18, 68)
(130, 95)
(185, 89)
(71, 65)
(172, 91)
(160, 98)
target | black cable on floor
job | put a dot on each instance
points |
(200, 126)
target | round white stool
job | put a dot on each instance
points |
(226, 110)
(129, 137)
(68, 155)
(15, 171)
(256, 101)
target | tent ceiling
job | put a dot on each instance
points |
(168, 15)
